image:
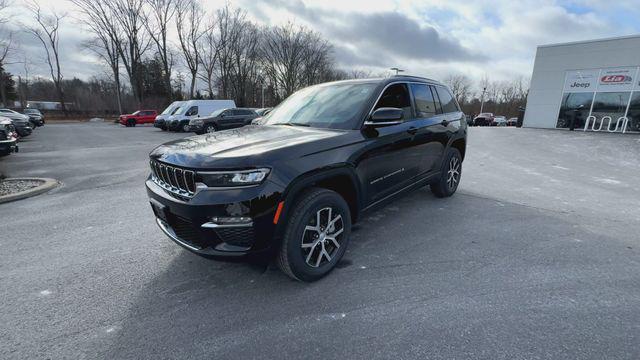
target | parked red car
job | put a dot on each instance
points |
(138, 117)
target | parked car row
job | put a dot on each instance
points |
(488, 119)
(199, 116)
(15, 125)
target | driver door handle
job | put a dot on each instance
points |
(412, 130)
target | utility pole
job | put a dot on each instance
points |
(484, 90)
(397, 70)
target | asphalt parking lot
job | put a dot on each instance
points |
(536, 257)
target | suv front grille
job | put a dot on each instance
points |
(176, 180)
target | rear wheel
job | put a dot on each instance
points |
(450, 174)
(316, 236)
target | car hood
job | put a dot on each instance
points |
(16, 117)
(248, 146)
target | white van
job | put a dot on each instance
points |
(193, 109)
(164, 116)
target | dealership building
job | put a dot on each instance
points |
(588, 85)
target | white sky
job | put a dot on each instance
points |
(432, 38)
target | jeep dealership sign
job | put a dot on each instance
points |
(602, 80)
(581, 80)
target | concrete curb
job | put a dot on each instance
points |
(48, 185)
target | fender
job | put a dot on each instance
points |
(307, 180)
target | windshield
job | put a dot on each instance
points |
(168, 110)
(180, 110)
(217, 112)
(31, 111)
(327, 106)
(136, 113)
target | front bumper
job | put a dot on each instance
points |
(24, 130)
(195, 128)
(159, 123)
(189, 223)
(8, 146)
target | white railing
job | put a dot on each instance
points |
(592, 120)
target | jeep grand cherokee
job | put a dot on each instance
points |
(292, 188)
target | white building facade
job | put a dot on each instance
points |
(590, 85)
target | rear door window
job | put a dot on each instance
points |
(436, 99)
(449, 104)
(424, 102)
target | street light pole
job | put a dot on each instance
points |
(397, 70)
(482, 99)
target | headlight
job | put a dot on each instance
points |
(233, 178)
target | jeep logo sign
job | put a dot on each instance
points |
(581, 80)
(580, 85)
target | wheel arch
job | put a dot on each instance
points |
(459, 143)
(341, 179)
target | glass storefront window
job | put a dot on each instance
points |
(612, 104)
(634, 113)
(576, 107)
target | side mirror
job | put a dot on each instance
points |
(385, 116)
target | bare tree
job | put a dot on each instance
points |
(132, 40)
(46, 31)
(189, 16)
(294, 57)
(98, 18)
(460, 85)
(6, 49)
(107, 50)
(157, 23)
(209, 47)
(229, 22)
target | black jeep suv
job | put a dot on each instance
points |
(293, 187)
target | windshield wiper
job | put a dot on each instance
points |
(294, 124)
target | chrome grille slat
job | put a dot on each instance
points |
(177, 181)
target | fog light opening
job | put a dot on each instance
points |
(231, 220)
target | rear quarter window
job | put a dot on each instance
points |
(449, 104)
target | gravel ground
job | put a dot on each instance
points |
(536, 257)
(11, 186)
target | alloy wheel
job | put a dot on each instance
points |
(453, 174)
(210, 129)
(322, 237)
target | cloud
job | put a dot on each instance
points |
(433, 38)
(382, 38)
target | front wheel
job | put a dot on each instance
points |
(447, 184)
(210, 128)
(316, 236)
(185, 128)
(131, 122)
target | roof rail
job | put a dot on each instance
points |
(414, 77)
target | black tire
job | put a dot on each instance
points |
(209, 128)
(185, 128)
(131, 122)
(450, 174)
(163, 128)
(292, 258)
